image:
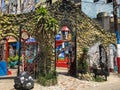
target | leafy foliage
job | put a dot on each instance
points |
(44, 23)
(88, 31)
(44, 34)
(13, 58)
(82, 62)
(48, 79)
(13, 61)
(99, 79)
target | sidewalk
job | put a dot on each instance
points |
(67, 83)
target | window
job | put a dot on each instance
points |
(96, 0)
(109, 1)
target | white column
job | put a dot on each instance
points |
(118, 50)
(0, 6)
(19, 7)
(111, 58)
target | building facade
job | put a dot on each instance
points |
(102, 12)
(93, 7)
(17, 6)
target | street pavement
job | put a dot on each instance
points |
(68, 83)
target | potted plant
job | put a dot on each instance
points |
(13, 61)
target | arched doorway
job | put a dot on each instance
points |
(8, 47)
(65, 48)
(62, 47)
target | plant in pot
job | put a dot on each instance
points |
(13, 61)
